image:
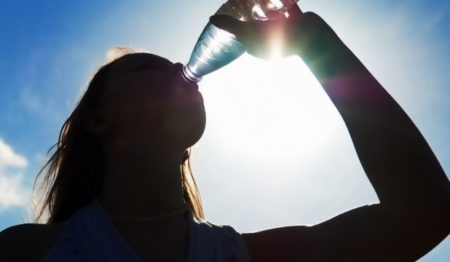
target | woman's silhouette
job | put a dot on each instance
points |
(121, 165)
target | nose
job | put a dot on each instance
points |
(177, 68)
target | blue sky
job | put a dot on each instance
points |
(49, 50)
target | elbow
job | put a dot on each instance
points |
(423, 230)
(423, 223)
(431, 224)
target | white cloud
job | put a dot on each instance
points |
(10, 159)
(12, 193)
(12, 190)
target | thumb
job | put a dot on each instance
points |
(229, 24)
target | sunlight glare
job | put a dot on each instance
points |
(276, 46)
(268, 109)
(275, 4)
(258, 13)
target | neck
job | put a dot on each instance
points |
(142, 183)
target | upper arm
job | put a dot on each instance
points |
(25, 242)
(10, 244)
(361, 234)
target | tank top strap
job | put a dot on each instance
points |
(218, 243)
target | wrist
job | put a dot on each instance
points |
(311, 35)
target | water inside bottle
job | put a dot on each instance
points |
(214, 49)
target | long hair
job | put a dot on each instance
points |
(74, 174)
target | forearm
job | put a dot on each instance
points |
(396, 158)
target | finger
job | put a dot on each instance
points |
(230, 24)
(295, 11)
(275, 14)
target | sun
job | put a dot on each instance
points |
(267, 109)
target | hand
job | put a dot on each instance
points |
(263, 38)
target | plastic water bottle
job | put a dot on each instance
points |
(216, 48)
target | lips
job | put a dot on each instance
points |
(185, 83)
(178, 70)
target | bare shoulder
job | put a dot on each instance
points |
(279, 244)
(37, 238)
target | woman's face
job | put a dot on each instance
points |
(148, 101)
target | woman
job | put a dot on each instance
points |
(116, 176)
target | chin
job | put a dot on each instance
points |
(194, 133)
(186, 130)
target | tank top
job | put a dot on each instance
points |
(90, 235)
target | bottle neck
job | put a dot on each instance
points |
(189, 76)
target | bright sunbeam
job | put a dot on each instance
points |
(276, 46)
(267, 109)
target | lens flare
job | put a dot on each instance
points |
(276, 43)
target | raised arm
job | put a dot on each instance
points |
(413, 215)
